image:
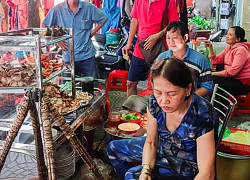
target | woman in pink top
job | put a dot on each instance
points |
(235, 59)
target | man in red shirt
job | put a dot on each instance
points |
(146, 22)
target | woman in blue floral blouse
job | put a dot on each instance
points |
(181, 133)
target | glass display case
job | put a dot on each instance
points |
(22, 55)
(27, 61)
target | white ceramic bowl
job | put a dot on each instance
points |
(128, 129)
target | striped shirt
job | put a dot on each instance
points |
(199, 63)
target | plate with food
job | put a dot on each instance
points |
(84, 98)
(65, 110)
(51, 68)
(64, 103)
(116, 132)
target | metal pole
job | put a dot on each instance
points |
(217, 28)
(72, 62)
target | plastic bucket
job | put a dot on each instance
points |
(231, 167)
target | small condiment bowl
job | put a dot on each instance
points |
(128, 129)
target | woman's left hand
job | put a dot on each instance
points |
(144, 176)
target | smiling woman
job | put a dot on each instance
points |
(235, 61)
(180, 140)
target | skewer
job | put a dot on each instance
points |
(42, 169)
(15, 127)
(48, 142)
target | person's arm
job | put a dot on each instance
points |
(60, 44)
(218, 73)
(216, 59)
(98, 17)
(51, 20)
(209, 45)
(150, 146)
(133, 30)
(97, 28)
(238, 60)
(205, 83)
(202, 91)
(206, 156)
(43, 26)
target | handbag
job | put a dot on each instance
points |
(151, 54)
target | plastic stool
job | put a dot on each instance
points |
(243, 101)
(148, 90)
(115, 83)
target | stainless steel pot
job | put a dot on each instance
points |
(232, 167)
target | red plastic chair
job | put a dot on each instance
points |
(243, 105)
(148, 90)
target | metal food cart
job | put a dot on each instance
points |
(85, 118)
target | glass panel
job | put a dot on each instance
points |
(17, 69)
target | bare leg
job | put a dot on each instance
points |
(131, 88)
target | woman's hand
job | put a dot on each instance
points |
(150, 41)
(144, 176)
(208, 44)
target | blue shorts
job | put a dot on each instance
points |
(138, 70)
(87, 67)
